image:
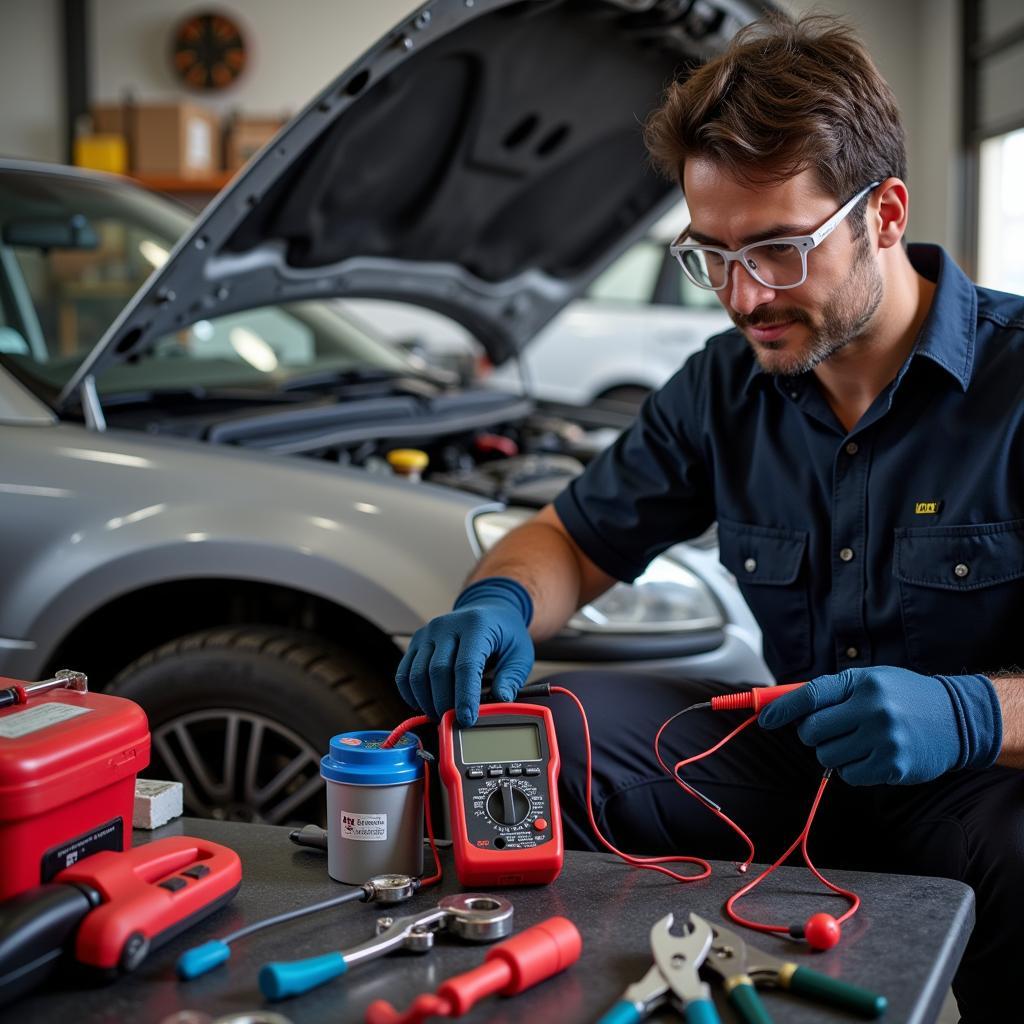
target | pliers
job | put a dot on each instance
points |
(673, 976)
(740, 967)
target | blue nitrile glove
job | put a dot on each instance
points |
(444, 663)
(886, 725)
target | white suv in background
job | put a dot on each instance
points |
(635, 325)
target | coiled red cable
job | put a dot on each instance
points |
(739, 701)
(656, 863)
(801, 841)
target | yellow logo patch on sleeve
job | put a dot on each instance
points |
(927, 508)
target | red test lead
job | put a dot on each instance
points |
(517, 964)
(753, 700)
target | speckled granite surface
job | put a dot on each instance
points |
(904, 943)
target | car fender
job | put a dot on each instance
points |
(119, 514)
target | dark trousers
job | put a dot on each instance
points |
(965, 825)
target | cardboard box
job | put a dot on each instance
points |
(110, 119)
(172, 139)
(181, 139)
(246, 136)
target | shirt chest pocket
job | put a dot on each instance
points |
(769, 565)
(962, 595)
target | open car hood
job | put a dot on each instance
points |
(483, 159)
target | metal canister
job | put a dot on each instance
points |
(374, 806)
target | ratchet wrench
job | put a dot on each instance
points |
(473, 917)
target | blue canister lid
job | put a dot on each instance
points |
(357, 758)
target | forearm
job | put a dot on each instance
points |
(1010, 690)
(541, 557)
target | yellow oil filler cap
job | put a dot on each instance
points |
(408, 462)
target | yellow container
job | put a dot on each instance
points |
(408, 462)
(102, 153)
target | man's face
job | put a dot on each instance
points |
(791, 330)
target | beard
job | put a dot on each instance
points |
(843, 319)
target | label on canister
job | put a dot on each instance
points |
(366, 828)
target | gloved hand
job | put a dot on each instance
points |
(444, 663)
(886, 725)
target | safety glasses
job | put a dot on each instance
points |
(775, 262)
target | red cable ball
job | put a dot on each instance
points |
(822, 931)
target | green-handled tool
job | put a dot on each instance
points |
(741, 968)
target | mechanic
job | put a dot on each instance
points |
(859, 439)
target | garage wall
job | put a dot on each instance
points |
(31, 80)
(916, 45)
(296, 48)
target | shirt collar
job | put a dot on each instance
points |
(947, 335)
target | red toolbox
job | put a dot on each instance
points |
(68, 760)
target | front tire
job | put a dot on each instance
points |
(242, 716)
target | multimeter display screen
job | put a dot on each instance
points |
(487, 743)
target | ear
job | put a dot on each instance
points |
(889, 209)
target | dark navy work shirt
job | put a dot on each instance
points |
(898, 543)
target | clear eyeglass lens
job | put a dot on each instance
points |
(705, 267)
(771, 263)
(775, 263)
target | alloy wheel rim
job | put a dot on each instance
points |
(240, 766)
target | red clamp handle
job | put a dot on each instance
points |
(517, 964)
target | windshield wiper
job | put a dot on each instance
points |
(196, 394)
(330, 378)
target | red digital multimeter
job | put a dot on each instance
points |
(502, 780)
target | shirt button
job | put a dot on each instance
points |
(750, 564)
(794, 394)
(846, 554)
(960, 570)
(851, 448)
(852, 652)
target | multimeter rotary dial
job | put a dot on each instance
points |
(507, 805)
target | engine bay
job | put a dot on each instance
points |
(498, 445)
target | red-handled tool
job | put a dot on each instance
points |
(148, 895)
(111, 909)
(753, 700)
(521, 962)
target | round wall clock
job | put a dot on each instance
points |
(209, 51)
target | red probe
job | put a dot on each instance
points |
(754, 699)
(512, 967)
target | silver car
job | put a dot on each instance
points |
(201, 503)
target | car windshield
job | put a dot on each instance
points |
(73, 251)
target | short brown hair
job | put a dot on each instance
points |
(786, 96)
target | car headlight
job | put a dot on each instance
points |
(667, 598)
